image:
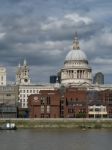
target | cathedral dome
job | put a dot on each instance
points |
(76, 68)
(76, 55)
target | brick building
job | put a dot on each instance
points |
(73, 102)
(64, 103)
(46, 104)
(107, 100)
(70, 102)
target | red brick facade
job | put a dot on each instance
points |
(107, 99)
(68, 103)
(64, 103)
(44, 105)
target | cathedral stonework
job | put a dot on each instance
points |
(22, 74)
(76, 68)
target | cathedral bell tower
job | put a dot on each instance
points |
(22, 74)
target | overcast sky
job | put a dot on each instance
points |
(42, 31)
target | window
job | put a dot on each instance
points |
(97, 109)
(70, 110)
(48, 109)
(42, 115)
(42, 102)
(25, 73)
(62, 107)
(42, 109)
(48, 100)
(23, 104)
(90, 109)
(1, 78)
(8, 94)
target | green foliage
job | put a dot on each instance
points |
(81, 115)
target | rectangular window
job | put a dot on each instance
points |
(1, 78)
(48, 100)
(97, 109)
(42, 109)
(8, 94)
(70, 110)
(42, 115)
(48, 109)
(42, 102)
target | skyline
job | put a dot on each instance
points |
(42, 32)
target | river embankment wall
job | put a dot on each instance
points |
(59, 123)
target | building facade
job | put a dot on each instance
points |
(59, 103)
(70, 102)
(9, 94)
(8, 101)
(2, 75)
(46, 104)
(26, 90)
(107, 99)
(76, 68)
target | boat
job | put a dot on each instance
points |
(8, 126)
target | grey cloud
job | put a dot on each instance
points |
(45, 50)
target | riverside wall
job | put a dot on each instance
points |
(60, 123)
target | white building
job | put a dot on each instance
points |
(97, 111)
(76, 68)
(2, 75)
(26, 90)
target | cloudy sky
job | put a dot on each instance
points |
(42, 31)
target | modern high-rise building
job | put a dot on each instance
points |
(2, 75)
(98, 78)
(53, 78)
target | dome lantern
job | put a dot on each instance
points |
(76, 42)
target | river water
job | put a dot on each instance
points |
(56, 139)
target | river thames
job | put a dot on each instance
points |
(56, 139)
